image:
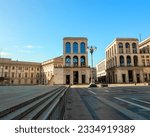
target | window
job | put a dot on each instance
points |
(82, 61)
(6, 67)
(134, 47)
(128, 60)
(120, 45)
(13, 74)
(127, 47)
(75, 61)
(37, 75)
(13, 68)
(19, 75)
(82, 47)
(121, 61)
(31, 75)
(135, 58)
(26, 75)
(68, 61)
(68, 47)
(75, 47)
(5, 74)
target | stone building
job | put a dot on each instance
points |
(101, 71)
(70, 68)
(19, 72)
(128, 61)
(50, 70)
(144, 48)
(75, 60)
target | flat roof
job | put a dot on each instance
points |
(72, 38)
(122, 39)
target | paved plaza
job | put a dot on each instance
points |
(109, 103)
(83, 103)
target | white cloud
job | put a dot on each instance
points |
(4, 54)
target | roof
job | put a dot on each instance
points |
(144, 41)
(122, 39)
(74, 38)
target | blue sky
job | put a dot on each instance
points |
(33, 30)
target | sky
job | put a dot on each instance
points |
(33, 30)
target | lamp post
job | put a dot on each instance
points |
(92, 49)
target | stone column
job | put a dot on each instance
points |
(127, 77)
(125, 60)
(134, 76)
(141, 76)
(132, 61)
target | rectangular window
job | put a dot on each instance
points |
(13, 74)
(6, 67)
(31, 75)
(26, 75)
(5, 74)
(19, 75)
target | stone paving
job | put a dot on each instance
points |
(13, 95)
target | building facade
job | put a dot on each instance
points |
(19, 72)
(75, 60)
(144, 48)
(70, 68)
(127, 61)
(101, 71)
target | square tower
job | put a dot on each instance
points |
(75, 60)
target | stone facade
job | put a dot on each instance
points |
(127, 61)
(101, 71)
(19, 72)
(75, 60)
(71, 68)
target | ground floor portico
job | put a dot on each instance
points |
(76, 76)
(125, 75)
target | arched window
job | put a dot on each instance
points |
(128, 60)
(134, 47)
(68, 61)
(82, 47)
(68, 47)
(127, 47)
(121, 61)
(82, 60)
(75, 61)
(75, 47)
(135, 58)
(120, 45)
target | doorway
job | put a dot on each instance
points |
(67, 79)
(83, 79)
(138, 78)
(123, 78)
(130, 75)
(75, 77)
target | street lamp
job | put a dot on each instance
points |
(92, 49)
